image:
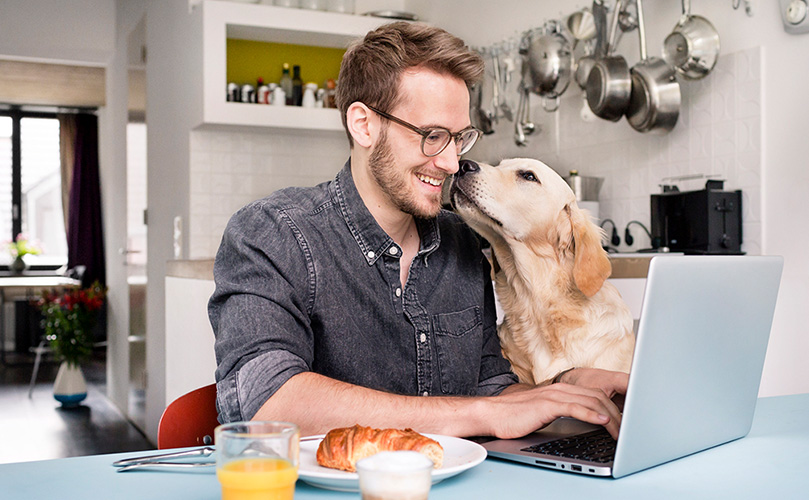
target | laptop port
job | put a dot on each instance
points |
(575, 468)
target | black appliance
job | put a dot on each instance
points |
(708, 221)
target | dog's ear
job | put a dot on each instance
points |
(591, 266)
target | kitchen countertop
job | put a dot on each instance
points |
(200, 269)
(624, 265)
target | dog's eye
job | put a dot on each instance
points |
(529, 176)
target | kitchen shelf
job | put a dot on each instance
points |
(221, 20)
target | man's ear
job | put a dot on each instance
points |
(358, 122)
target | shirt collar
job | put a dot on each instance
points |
(372, 240)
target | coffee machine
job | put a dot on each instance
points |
(707, 221)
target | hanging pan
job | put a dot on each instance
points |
(693, 46)
(654, 103)
(608, 84)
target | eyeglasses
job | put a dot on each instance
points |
(435, 140)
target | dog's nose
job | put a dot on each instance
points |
(466, 166)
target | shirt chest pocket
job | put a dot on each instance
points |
(458, 340)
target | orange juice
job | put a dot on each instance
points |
(258, 478)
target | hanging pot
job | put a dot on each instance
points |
(587, 61)
(654, 103)
(693, 46)
(549, 60)
(70, 389)
(608, 84)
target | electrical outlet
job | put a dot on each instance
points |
(795, 15)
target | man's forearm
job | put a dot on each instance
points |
(318, 404)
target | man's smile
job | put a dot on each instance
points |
(433, 181)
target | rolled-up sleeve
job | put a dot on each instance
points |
(259, 310)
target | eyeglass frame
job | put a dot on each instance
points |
(424, 133)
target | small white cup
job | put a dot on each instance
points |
(395, 475)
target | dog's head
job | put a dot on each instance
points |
(522, 201)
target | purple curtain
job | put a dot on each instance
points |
(85, 237)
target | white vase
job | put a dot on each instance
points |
(70, 389)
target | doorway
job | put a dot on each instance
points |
(136, 233)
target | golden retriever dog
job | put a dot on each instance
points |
(550, 270)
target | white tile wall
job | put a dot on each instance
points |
(230, 169)
(718, 132)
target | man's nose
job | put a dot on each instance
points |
(466, 166)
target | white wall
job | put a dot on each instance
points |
(59, 31)
(784, 122)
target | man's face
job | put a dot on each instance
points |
(409, 179)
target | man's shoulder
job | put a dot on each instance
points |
(292, 199)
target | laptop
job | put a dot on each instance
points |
(699, 352)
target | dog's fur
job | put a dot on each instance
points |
(560, 312)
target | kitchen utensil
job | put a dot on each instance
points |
(479, 116)
(519, 124)
(585, 63)
(581, 25)
(654, 103)
(549, 59)
(499, 103)
(627, 20)
(693, 46)
(609, 84)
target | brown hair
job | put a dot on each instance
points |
(372, 66)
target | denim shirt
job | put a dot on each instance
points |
(306, 280)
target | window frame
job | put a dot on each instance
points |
(17, 113)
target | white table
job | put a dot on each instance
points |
(769, 463)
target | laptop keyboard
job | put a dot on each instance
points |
(596, 446)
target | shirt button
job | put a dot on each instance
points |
(393, 250)
(423, 338)
(370, 254)
(398, 292)
(425, 394)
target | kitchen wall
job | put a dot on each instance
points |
(231, 169)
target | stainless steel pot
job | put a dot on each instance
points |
(549, 60)
(608, 84)
(654, 103)
(693, 46)
(585, 63)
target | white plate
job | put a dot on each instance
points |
(459, 455)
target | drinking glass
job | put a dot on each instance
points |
(257, 460)
(395, 475)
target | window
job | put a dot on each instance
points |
(31, 183)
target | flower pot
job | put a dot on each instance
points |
(18, 265)
(70, 389)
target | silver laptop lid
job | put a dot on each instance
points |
(702, 337)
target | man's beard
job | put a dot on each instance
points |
(395, 183)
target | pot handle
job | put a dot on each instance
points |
(611, 40)
(642, 29)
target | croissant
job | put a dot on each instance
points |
(342, 448)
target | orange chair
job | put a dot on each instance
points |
(189, 420)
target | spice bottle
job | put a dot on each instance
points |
(297, 86)
(286, 83)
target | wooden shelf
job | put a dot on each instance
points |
(221, 20)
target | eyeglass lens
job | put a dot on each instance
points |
(437, 139)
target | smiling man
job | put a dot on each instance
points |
(361, 301)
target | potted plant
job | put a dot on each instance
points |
(19, 248)
(68, 319)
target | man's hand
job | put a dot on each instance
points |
(522, 410)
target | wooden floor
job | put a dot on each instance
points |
(39, 428)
